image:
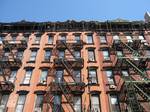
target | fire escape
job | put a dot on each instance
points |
(135, 91)
(9, 61)
(67, 84)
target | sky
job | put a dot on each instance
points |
(62, 10)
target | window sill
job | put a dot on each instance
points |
(89, 43)
(24, 84)
(36, 44)
(30, 61)
(48, 44)
(103, 43)
(41, 84)
(92, 61)
(107, 61)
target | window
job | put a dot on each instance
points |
(20, 103)
(47, 55)
(57, 103)
(43, 76)
(63, 38)
(61, 54)
(92, 76)
(147, 53)
(1, 40)
(95, 105)
(38, 103)
(125, 73)
(89, 39)
(77, 38)
(20, 55)
(50, 40)
(116, 39)
(129, 39)
(110, 77)
(114, 103)
(77, 54)
(37, 40)
(142, 39)
(103, 39)
(91, 55)
(77, 103)
(106, 55)
(27, 76)
(119, 53)
(13, 40)
(33, 55)
(13, 76)
(3, 102)
(59, 76)
(77, 75)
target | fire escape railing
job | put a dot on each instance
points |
(9, 61)
(67, 87)
(131, 84)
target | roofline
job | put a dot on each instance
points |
(71, 25)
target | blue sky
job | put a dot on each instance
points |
(62, 10)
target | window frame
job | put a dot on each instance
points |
(25, 76)
(77, 105)
(91, 41)
(92, 80)
(97, 95)
(4, 101)
(93, 59)
(43, 82)
(50, 39)
(104, 40)
(106, 58)
(48, 58)
(33, 56)
(110, 79)
(35, 105)
(37, 39)
(23, 104)
(118, 104)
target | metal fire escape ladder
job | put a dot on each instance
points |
(68, 68)
(65, 44)
(136, 69)
(134, 52)
(132, 98)
(67, 93)
(142, 93)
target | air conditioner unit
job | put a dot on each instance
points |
(112, 86)
(42, 82)
(92, 59)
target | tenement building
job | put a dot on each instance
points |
(75, 66)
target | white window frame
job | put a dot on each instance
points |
(27, 76)
(20, 104)
(95, 103)
(106, 55)
(110, 77)
(91, 55)
(38, 107)
(33, 55)
(43, 76)
(103, 39)
(89, 39)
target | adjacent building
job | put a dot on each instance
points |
(75, 66)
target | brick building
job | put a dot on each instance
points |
(75, 66)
